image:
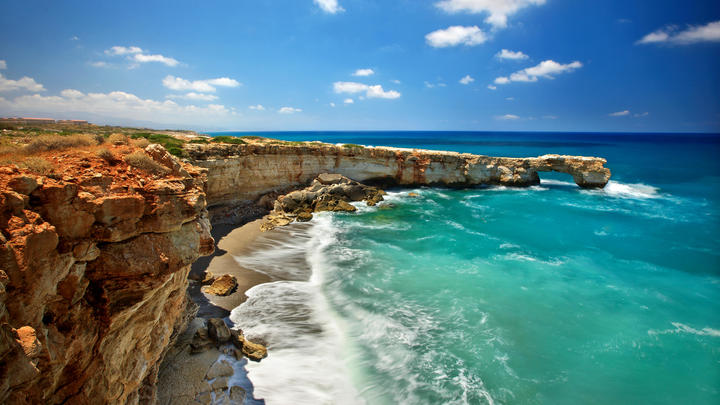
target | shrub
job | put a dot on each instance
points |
(141, 143)
(253, 137)
(145, 163)
(352, 146)
(118, 139)
(172, 144)
(227, 139)
(105, 154)
(37, 165)
(200, 140)
(43, 143)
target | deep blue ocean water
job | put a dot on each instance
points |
(542, 295)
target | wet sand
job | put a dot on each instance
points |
(230, 241)
(182, 375)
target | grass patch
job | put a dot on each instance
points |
(173, 145)
(145, 163)
(105, 154)
(118, 139)
(37, 165)
(353, 146)
(227, 139)
(44, 143)
(251, 137)
(200, 141)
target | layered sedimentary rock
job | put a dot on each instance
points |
(94, 262)
(241, 173)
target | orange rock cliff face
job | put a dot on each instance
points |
(93, 276)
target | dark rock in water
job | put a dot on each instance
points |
(253, 351)
(328, 192)
(220, 368)
(327, 178)
(218, 331)
(237, 395)
(223, 285)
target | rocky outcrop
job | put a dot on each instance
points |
(328, 192)
(222, 286)
(239, 174)
(94, 263)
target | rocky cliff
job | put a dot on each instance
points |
(238, 174)
(94, 261)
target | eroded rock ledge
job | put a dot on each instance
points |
(240, 174)
(93, 276)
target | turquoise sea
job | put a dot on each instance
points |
(542, 295)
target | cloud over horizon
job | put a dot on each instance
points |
(545, 69)
(693, 34)
(202, 86)
(136, 54)
(374, 91)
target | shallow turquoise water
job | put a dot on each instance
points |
(547, 295)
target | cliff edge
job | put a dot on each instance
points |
(94, 261)
(241, 174)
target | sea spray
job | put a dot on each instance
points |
(306, 361)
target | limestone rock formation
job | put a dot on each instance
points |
(328, 192)
(253, 351)
(223, 285)
(94, 261)
(239, 175)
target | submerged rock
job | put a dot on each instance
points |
(223, 285)
(220, 368)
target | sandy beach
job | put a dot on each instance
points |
(230, 241)
(182, 375)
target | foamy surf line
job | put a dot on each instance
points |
(305, 340)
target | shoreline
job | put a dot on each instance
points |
(182, 374)
(231, 241)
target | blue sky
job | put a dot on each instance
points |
(567, 65)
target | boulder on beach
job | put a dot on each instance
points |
(218, 330)
(223, 285)
(251, 350)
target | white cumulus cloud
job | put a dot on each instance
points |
(456, 35)
(693, 34)
(374, 91)
(116, 104)
(3, 64)
(289, 110)
(507, 117)
(329, 6)
(620, 113)
(546, 69)
(193, 96)
(497, 10)
(348, 101)
(491, 87)
(202, 86)
(257, 107)
(467, 79)
(364, 72)
(24, 83)
(506, 54)
(136, 54)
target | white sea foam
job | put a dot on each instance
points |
(682, 328)
(627, 190)
(305, 341)
(557, 183)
